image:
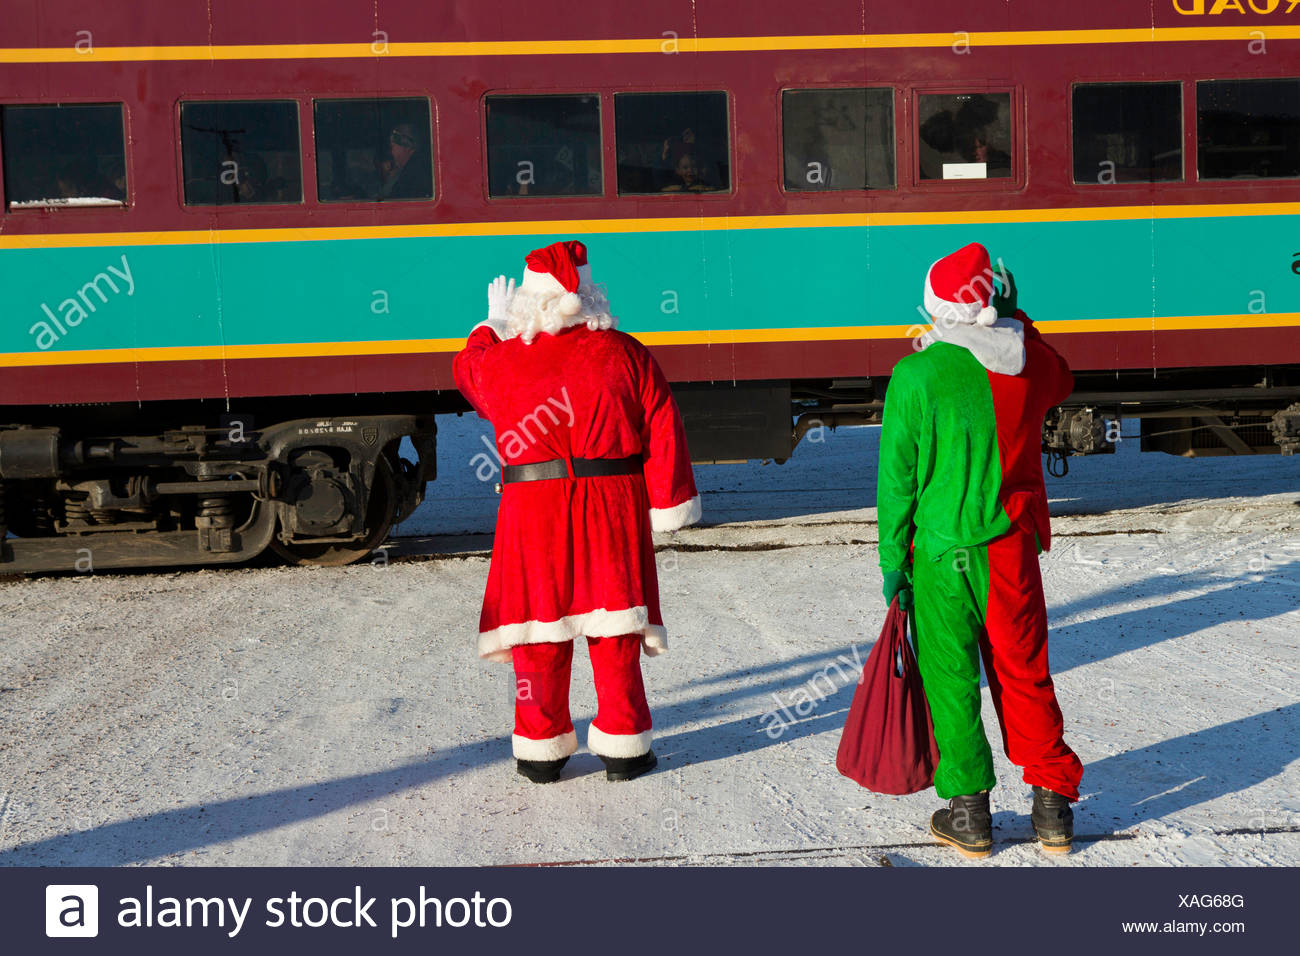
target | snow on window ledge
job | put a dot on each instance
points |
(70, 201)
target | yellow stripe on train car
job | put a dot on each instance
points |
(702, 337)
(645, 45)
(658, 224)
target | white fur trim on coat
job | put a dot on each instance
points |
(553, 748)
(618, 745)
(678, 516)
(999, 348)
(495, 645)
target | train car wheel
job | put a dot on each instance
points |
(379, 518)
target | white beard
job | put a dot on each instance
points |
(531, 313)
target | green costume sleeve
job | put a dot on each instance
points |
(896, 475)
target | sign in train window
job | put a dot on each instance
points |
(1128, 132)
(373, 150)
(1248, 129)
(672, 143)
(63, 155)
(544, 145)
(838, 139)
(241, 152)
(964, 136)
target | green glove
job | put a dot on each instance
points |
(898, 583)
(1004, 296)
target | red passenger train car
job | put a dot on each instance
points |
(240, 243)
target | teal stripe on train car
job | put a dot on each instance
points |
(338, 290)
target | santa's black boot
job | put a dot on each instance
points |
(629, 768)
(966, 824)
(1053, 820)
(541, 771)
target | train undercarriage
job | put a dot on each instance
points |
(320, 490)
(324, 482)
(1193, 413)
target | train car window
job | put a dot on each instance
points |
(672, 143)
(838, 139)
(964, 135)
(241, 152)
(1128, 132)
(373, 150)
(1248, 129)
(63, 155)
(544, 145)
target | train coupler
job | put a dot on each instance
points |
(1285, 427)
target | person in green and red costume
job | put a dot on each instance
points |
(963, 516)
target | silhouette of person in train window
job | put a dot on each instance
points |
(79, 177)
(255, 184)
(71, 180)
(557, 175)
(686, 170)
(975, 121)
(938, 140)
(113, 181)
(252, 185)
(403, 172)
(969, 135)
(239, 178)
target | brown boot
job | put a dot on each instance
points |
(1053, 820)
(966, 824)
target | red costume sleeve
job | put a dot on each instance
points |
(1057, 380)
(1062, 377)
(674, 502)
(1050, 383)
(466, 369)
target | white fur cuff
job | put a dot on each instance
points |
(553, 748)
(496, 325)
(618, 745)
(678, 516)
(495, 645)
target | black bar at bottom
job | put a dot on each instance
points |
(638, 910)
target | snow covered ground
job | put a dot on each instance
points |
(339, 716)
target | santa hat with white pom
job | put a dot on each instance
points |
(557, 292)
(559, 268)
(959, 288)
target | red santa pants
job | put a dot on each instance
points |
(543, 728)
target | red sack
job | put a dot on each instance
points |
(888, 741)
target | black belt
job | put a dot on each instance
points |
(582, 468)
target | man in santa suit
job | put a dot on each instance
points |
(962, 514)
(594, 459)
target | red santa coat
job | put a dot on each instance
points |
(574, 556)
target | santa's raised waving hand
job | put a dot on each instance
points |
(500, 293)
